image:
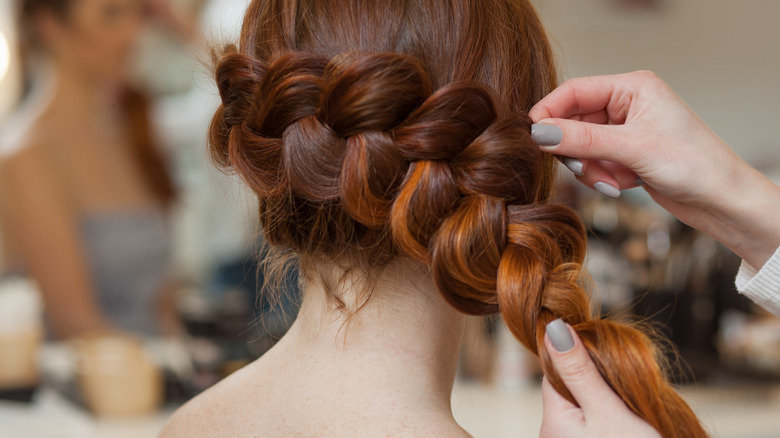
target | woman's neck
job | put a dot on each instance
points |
(404, 339)
(77, 92)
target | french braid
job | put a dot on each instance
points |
(367, 152)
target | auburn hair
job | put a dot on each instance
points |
(373, 130)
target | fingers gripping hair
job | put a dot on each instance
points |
(539, 279)
(358, 152)
(526, 261)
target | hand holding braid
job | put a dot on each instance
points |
(358, 153)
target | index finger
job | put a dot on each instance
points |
(582, 96)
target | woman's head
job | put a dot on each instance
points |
(374, 130)
(94, 39)
(358, 96)
(95, 36)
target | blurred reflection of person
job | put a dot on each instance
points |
(85, 193)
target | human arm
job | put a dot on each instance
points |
(601, 413)
(46, 235)
(626, 126)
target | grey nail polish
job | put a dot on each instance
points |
(640, 182)
(546, 135)
(559, 335)
(607, 190)
(574, 165)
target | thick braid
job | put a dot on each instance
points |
(348, 107)
(500, 250)
(430, 139)
(359, 151)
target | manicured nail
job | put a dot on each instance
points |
(546, 135)
(640, 182)
(607, 190)
(559, 335)
(574, 165)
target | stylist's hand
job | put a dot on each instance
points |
(601, 414)
(624, 127)
(635, 125)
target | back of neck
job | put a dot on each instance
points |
(405, 336)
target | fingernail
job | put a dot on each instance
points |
(559, 335)
(574, 165)
(546, 135)
(640, 182)
(607, 190)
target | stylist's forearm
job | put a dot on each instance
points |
(748, 220)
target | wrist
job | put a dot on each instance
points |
(745, 216)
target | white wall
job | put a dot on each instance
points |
(721, 56)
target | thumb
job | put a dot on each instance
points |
(577, 370)
(560, 418)
(583, 140)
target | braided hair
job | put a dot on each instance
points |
(357, 140)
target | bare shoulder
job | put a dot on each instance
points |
(28, 182)
(25, 152)
(25, 133)
(22, 157)
(274, 397)
(219, 411)
(25, 167)
(224, 412)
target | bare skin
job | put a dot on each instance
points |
(388, 371)
(72, 160)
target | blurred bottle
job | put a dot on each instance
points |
(117, 376)
(516, 366)
(21, 334)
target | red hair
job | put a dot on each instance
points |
(373, 130)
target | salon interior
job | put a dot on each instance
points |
(70, 368)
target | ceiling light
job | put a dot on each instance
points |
(5, 56)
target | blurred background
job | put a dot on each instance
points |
(121, 244)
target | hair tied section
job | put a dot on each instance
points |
(350, 128)
(371, 92)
